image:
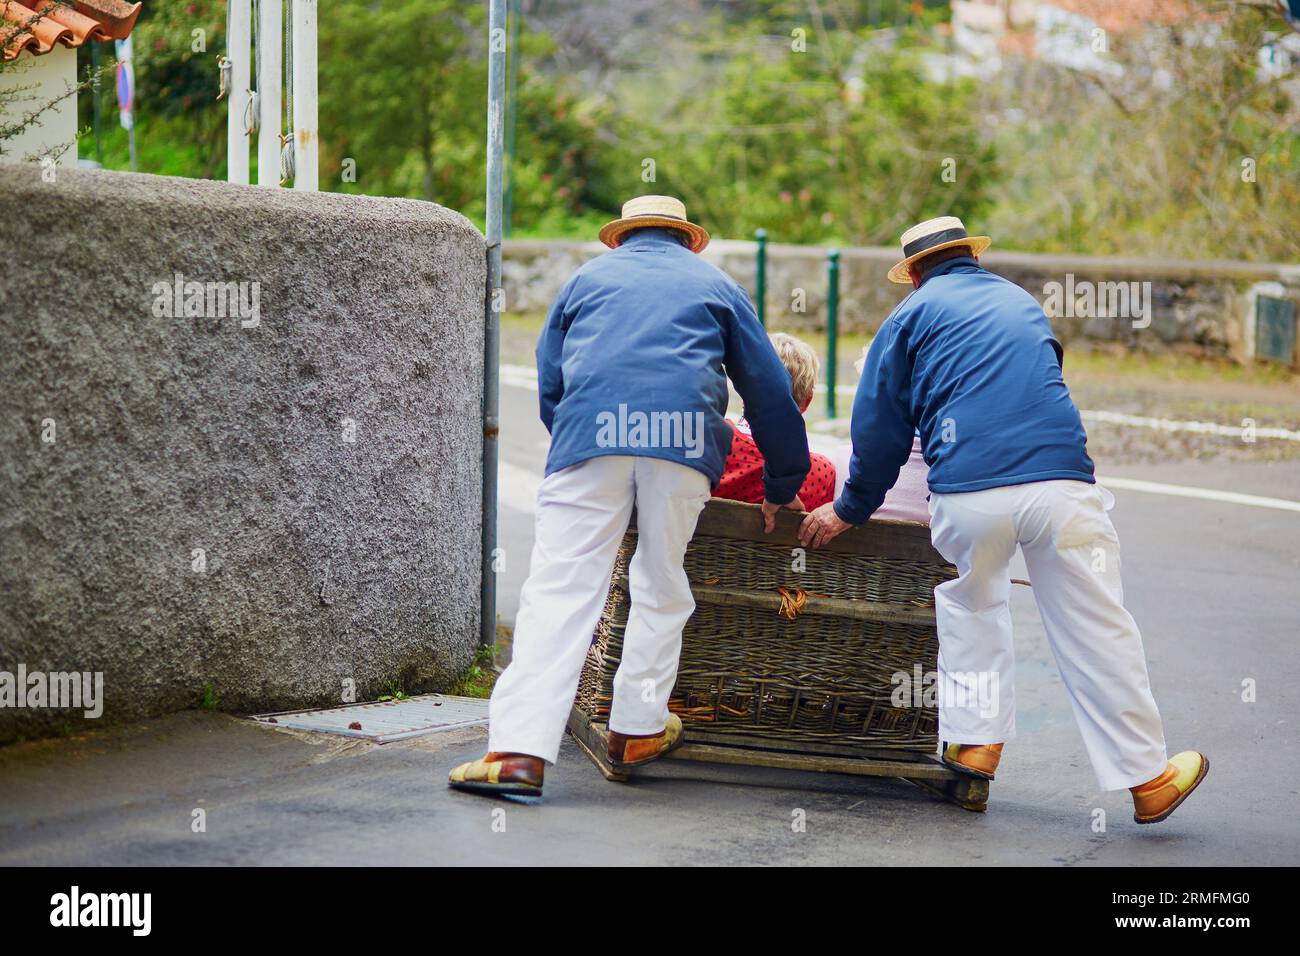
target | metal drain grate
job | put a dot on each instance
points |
(389, 720)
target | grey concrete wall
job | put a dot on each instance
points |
(132, 440)
(1202, 308)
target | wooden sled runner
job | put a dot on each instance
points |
(795, 659)
(927, 772)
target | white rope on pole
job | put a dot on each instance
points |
(286, 127)
(269, 79)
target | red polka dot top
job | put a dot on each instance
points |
(742, 475)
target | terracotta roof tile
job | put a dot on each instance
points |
(1123, 16)
(36, 25)
(1019, 42)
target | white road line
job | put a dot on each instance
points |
(520, 376)
(1147, 421)
(1206, 494)
(1169, 425)
(519, 486)
(824, 444)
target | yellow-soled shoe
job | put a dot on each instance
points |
(1154, 800)
(517, 775)
(976, 760)
(629, 751)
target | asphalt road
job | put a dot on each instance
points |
(1215, 586)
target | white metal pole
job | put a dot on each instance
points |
(238, 45)
(305, 134)
(269, 21)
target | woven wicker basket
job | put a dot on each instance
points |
(801, 661)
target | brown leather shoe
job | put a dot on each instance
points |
(626, 750)
(518, 775)
(1154, 800)
(975, 760)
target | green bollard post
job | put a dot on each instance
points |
(760, 236)
(832, 326)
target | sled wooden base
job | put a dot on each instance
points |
(925, 771)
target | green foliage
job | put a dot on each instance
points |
(1195, 158)
(562, 173)
(772, 15)
(180, 126)
(480, 678)
(402, 86)
(210, 700)
(401, 92)
(395, 692)
(837, 138)
(842, 142)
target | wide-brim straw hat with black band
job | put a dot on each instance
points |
(931, 236)
(654, 211)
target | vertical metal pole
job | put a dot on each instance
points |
(238, 45)
(832, 326)
(306, 136)
(760, 295)
(491, 318)
(512, 112)
(270, 18)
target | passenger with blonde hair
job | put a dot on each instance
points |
(742, 475)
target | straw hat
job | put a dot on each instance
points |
(662, 211)
(931, 236)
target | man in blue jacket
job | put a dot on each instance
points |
(969, 360)
(632, 371)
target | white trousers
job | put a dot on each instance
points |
(582, 514)
(1072, 553)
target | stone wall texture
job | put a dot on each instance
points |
(1200, 308)
(197, 505)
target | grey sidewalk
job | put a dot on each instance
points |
(128, 795)
(273, 798)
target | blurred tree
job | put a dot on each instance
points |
(1187, 147)
(403, 93)
(181, 125)
(811, 118)
(835, 138)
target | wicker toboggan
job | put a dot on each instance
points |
(793, 657)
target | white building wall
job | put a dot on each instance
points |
(35, 81)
